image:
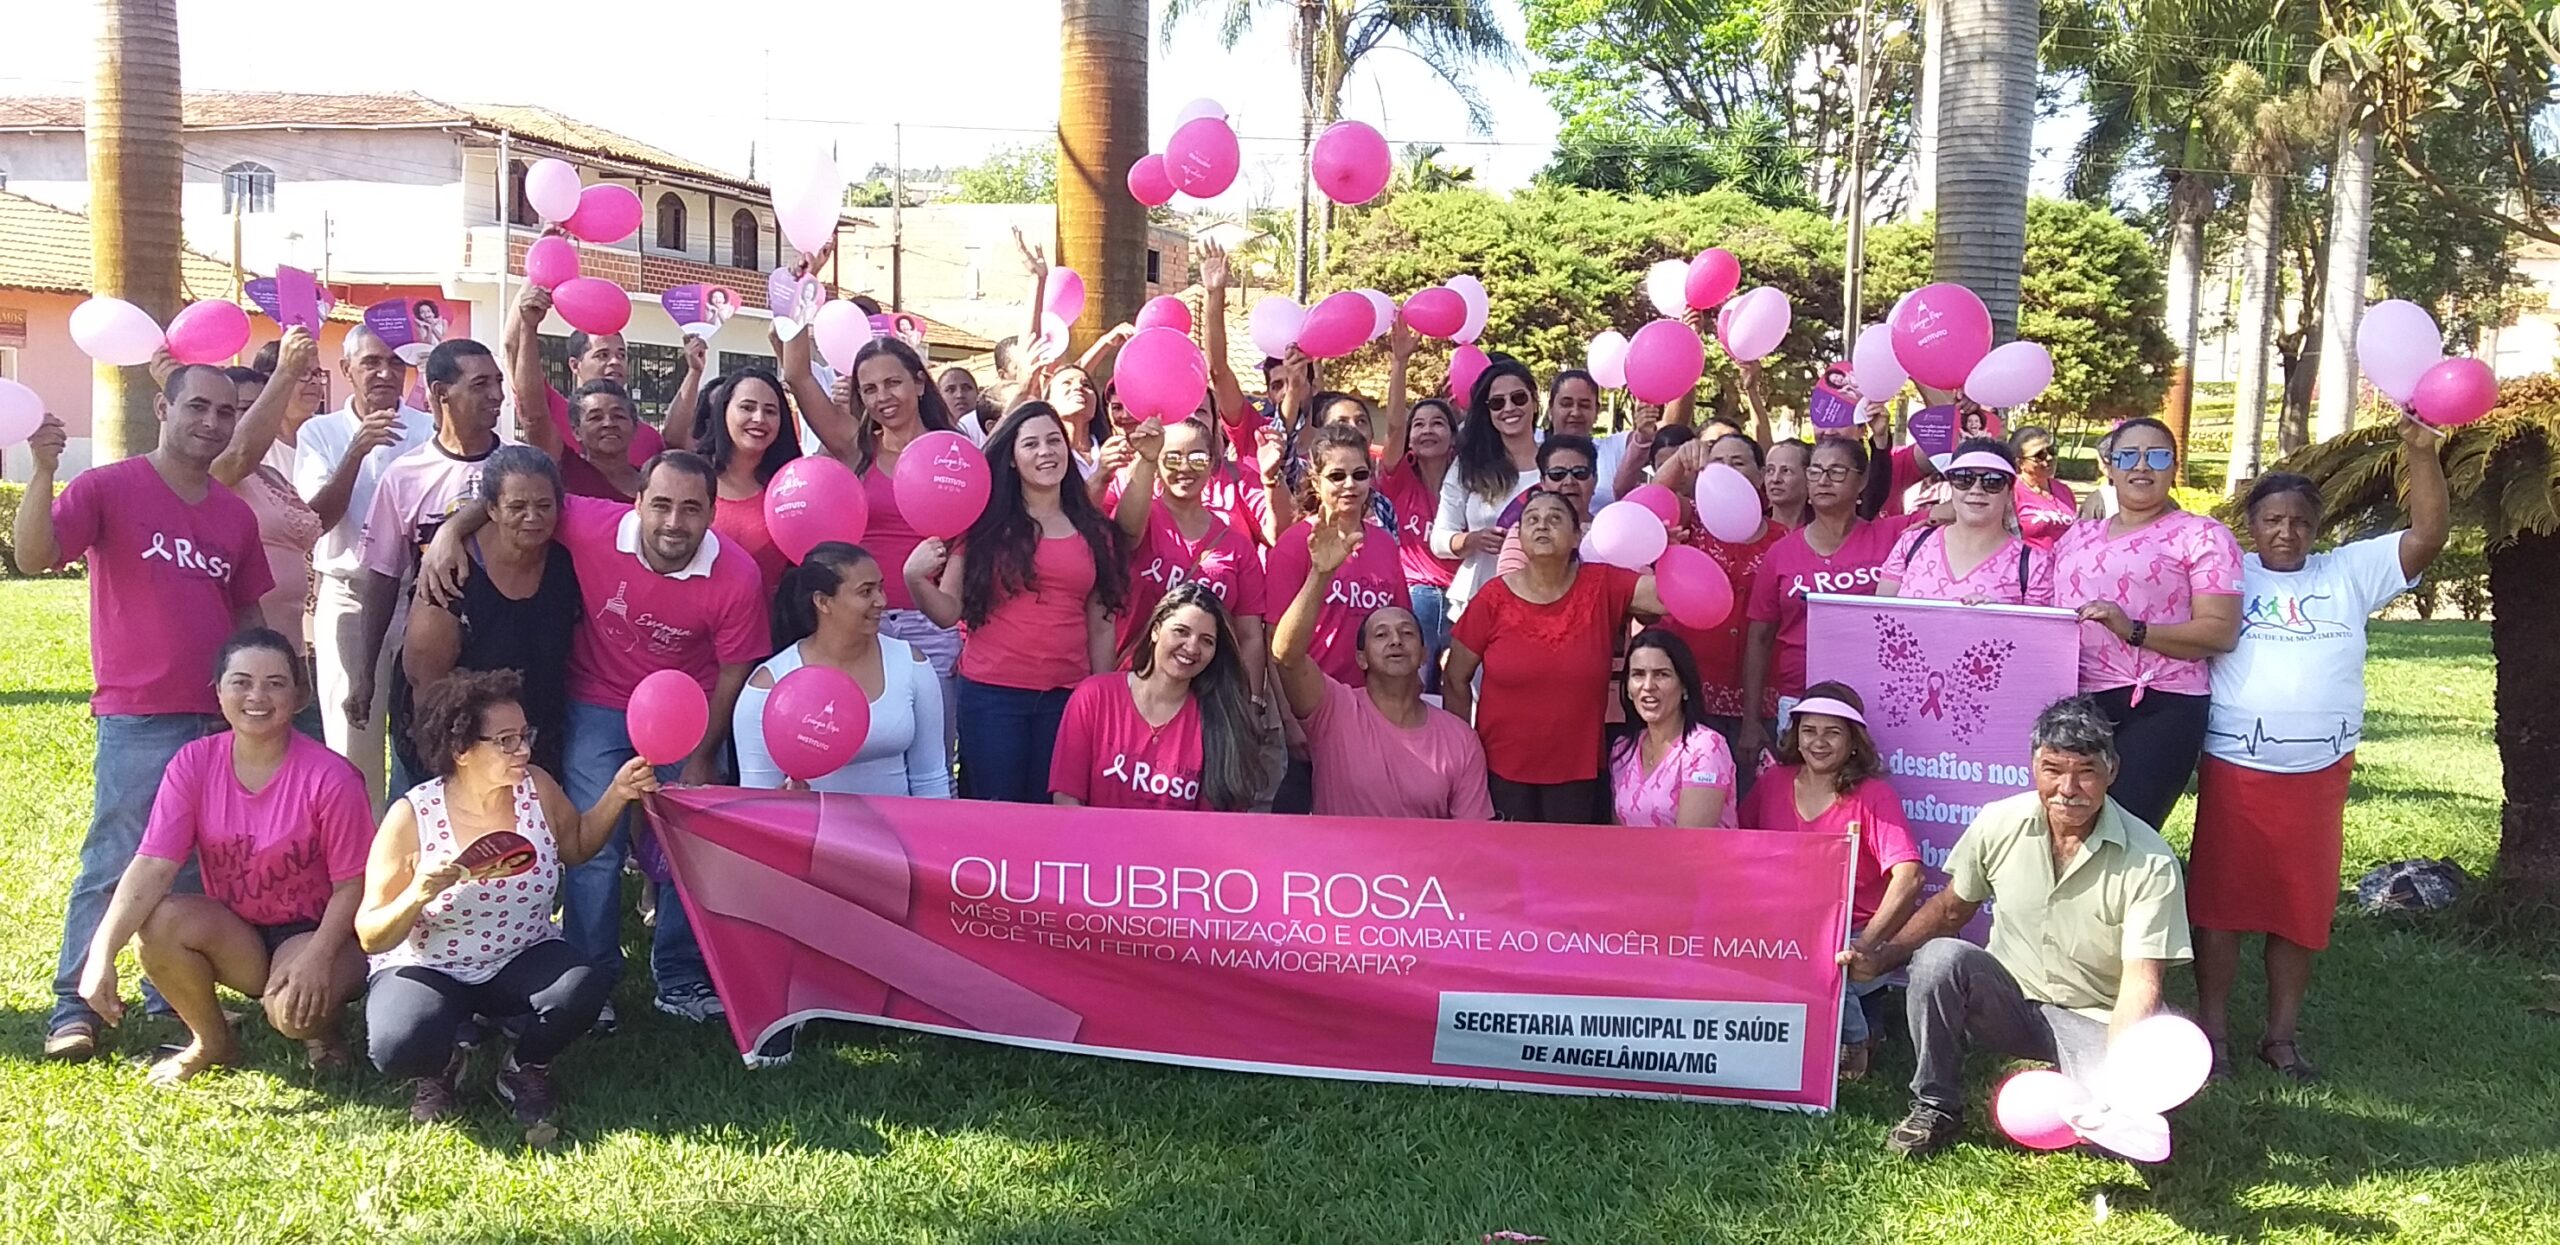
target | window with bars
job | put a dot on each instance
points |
(745, 241)
(670, 222)
(248, 188)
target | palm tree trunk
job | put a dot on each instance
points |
(2524, 581)
(2350, 229)
(134, 230)
(2260, 253)
(1986, 117)
(1102, 130)
(2190, 203)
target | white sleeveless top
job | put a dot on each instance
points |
(471, 931)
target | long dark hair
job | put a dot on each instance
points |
(711, 425)
(1484, 464)
(795, 606)
(1684, 667)
(1863, 763)
(1233, 771)
(930, 409)
(1003, 542)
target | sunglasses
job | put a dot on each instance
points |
(1558, 475)
(1985, 481)
(1195, 459)
(1518, 397)
(2044, 455)
(1357, 475)
(2157, 458)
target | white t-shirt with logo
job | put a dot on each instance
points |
(2290, 698)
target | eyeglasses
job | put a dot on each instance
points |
(521, 741)
(1519, 397)
(2044, 455)
(1359, 475)
(1558, 475)
(2157, 458)
(1986, 481)
(1197, 460)
(1836, 473)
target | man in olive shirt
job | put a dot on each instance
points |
(2088, 912)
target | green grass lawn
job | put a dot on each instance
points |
(2440, 1120)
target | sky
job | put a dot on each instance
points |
(963, 77)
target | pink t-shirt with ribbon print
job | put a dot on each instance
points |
(1108, 757)
(2155, 572)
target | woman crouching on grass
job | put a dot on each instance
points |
(453, 934)
(277, 824)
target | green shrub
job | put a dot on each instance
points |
(10, 492)
(2460, 578)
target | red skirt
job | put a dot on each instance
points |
(2267, 848)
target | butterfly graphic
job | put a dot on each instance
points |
(1958, 695)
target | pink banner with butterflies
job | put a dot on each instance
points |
(1585, 959)
(1951, 693)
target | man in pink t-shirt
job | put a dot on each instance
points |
(1377, 747)
(593, 356)
(175, 566)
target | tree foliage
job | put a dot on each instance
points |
(1752, 156)
(1025, 174)
(2093, 293)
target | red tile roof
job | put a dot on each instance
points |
(45, 248)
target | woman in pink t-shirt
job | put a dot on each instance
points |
(751, 436)
(278, 826)
(1718, 650)
(2046, 506)
(1177, 731)
(1668, 766)
(2158, 590)
(1830, 780)
(1340, 480)
(1980, 558)
(1175, 538)
(1837, 552)
(1033, 585)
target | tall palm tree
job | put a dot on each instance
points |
(134, 170)
(1985, 99)
(1102, 130)
(1420, 169)
(2504, 472)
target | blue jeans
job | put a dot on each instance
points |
(133, 754)
(591, 896)
(1431, 609)
(1006, 736)
(1853, 1012)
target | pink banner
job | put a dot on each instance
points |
(1951, 693)
(1680, 964)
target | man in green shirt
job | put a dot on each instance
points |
(2088, 910)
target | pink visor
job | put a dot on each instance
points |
(1828, 708)
(1980, 460)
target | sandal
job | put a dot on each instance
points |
(2297, 1069)
(1854, 1058)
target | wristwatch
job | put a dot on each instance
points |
(2141, 632)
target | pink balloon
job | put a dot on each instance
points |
(1664, 360)
(208, 332)
(21, 412)
(1728, 506)
(114, 332)
(2141, 1136)
(2456, 391)
(1338, 325)
(1939, 332)
(592, 305)
(1385, 308)
(2013, 375)
(1148, 182)
(814, 499)
(1275, 324)
(1164, 311)
(2035, 1108)
(1872, 365)
(1479, 306)
(551, 189)
(1664, 503)
(1160, 375)
(1351, 162)
(1436, 312)
(842, 331)
(815, 719)
(941, 484)
(667, 716)
(605, 215)
(1066, 294)
(1627, 534)
(1696, 590)
(2396, 342)
(1758, 322)
(550, 261)
(1466, 363)
(1712, 276)
(1202, 158)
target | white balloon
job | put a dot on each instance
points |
(1198, 108)
(115, 332)
(1874, 366)
(1386, 308)
(21, 412)
(808, 198)
(1275, 324)
(2396, 342)
(1667, 284)
(551, 189)
(842, 329)
(1608, 359)
(1760, 321)
(1479, 308)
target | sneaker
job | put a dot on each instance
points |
(691, 1000)
(432, 1098)
(777, 1050)
(72, 1041)
(526, 1087)
(607, 1024)
(1924, 1132)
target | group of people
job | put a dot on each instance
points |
(1302, 602)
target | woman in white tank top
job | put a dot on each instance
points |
(458, 899)
(828, 613)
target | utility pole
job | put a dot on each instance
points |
(1306, 132)
(1854, 264)
(898, 217)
